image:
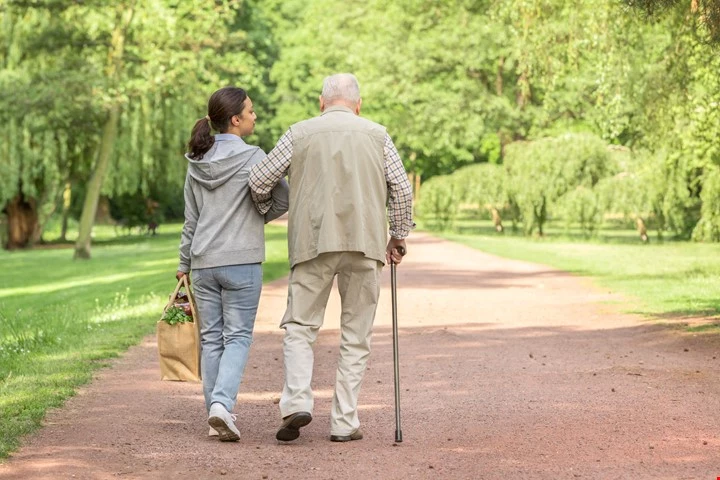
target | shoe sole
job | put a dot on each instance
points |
(291, 431)
(224, 432)
(344, 438)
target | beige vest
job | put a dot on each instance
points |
(338, 192)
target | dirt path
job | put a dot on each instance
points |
(509, 371)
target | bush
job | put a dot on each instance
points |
(440, 200)
(582, 205)
(539, 173)
(708, 228)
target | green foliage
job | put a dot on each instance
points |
(482, 185)
(540, 173)
(156, 61)
(456, 84)
(582, 205)
(706, 13)
(175, 315)
(708, 228)
(548, 176)
(441, 197)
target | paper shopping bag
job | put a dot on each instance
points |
(178, 337)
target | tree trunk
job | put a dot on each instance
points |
(22, 217)
(45, 210)
(416, 185)
(523, 96)
(642, 230)
(87, 219)
(115, 59)
(67, 201)
(541, 217)
(497, 219)
(499, 77)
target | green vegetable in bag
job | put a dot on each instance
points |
(175, 315)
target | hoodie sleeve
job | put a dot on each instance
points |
(280, 201)
(188, 231)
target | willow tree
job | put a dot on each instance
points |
(47, 115)
(113, 74)
(705, 12)
(120, 89)
(541, 172)
(164, 79)
(681, 123)
(485, 186)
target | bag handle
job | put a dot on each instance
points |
(173, 296)
(191, 297)
(182, 284)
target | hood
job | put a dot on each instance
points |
(228, 154)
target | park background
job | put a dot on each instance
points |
(584, 135)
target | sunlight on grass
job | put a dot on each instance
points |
(62, 319)
(168, 263)
(81, 282)
(152, 307)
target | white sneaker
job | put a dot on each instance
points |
(214, 433)
(223, 423)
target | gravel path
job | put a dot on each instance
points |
(509, 370)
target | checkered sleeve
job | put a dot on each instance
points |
(399, 192)
(266, 174)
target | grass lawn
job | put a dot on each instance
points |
(61, 319)
(663, 279)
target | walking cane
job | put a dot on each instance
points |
(396, 357)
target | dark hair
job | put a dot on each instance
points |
(222, 106)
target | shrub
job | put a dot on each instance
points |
(539, 173)
(440, 200)
(708, 228)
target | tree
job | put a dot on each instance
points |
(116, 51)
(136, 77)
(541, 172)
(705, 12)
(44, 133)
(485, 187)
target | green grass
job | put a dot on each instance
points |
(61, 319)
(661, 279)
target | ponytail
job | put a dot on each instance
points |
(223, 104)
(200, 139)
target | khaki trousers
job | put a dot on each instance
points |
(310, 283)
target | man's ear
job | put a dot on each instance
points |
(322, 103)
(358, 106)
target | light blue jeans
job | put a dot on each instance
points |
(227, 301)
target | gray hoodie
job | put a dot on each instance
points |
(222, 225)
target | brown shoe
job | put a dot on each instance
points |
(355, 435)
(290, 428)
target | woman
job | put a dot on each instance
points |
(223, 243)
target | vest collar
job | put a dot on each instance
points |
(337, 108)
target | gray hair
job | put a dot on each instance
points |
(341, 86)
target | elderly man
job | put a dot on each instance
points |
(346, 178)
